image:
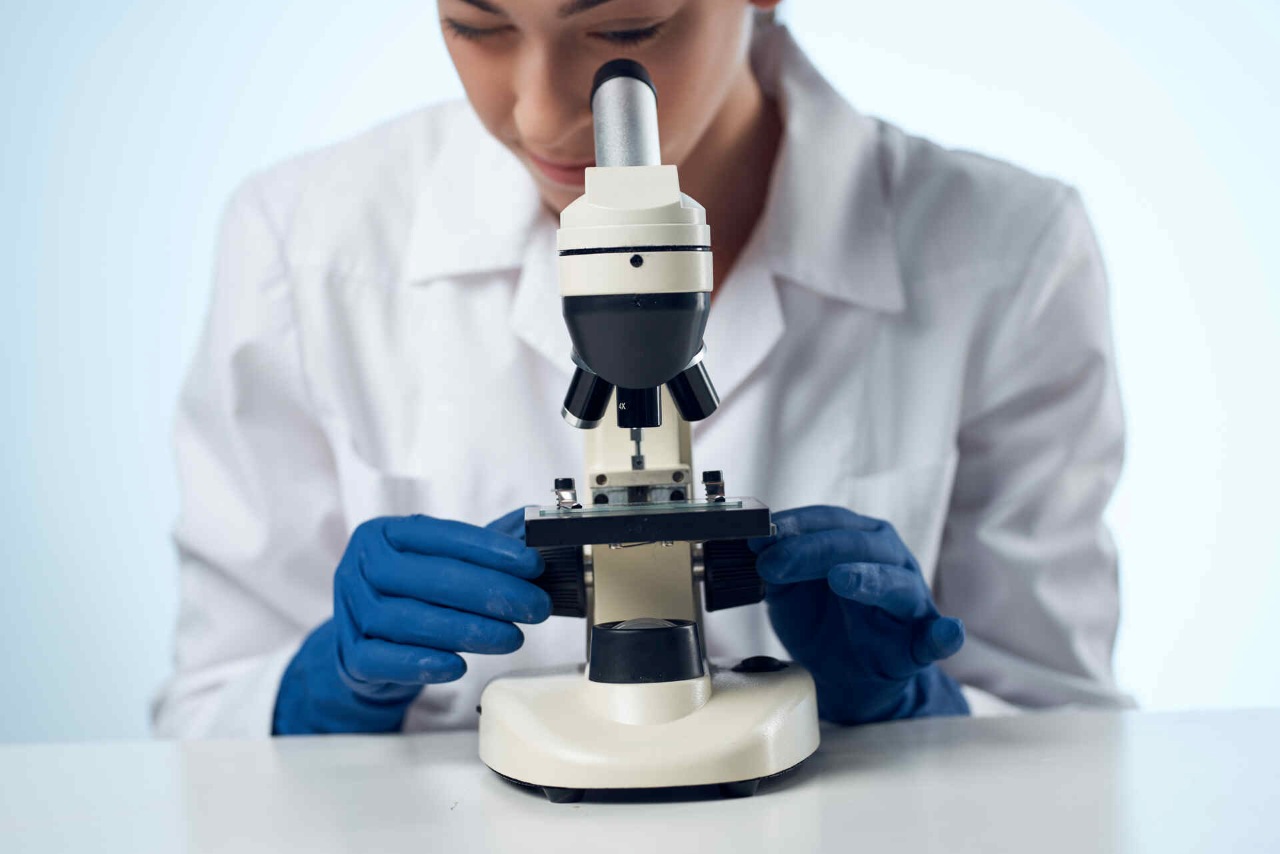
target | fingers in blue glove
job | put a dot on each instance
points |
(408, 621)
(482, 572)
(409, 594)
(902, 594)
(810, 556)
(898, 591)
(426, 535)
(871, 655)
(375, 662)
(937, 639)
(822, 517)
(809, 520)
(459, 585)
(510, 524)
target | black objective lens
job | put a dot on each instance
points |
(587, 399)
(639, 407)
(693, 393)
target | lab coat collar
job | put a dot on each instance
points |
(536, 314)
(828, 223)
(475, 207)
(478, 211)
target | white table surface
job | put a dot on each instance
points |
(1196, 781)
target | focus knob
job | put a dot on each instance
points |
(564, 580)
(729, 576)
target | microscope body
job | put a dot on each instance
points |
(631, 550)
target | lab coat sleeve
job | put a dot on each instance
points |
(1026, 559)
(260, 527)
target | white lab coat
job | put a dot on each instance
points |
(917, 334)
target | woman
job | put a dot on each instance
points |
(914, 334)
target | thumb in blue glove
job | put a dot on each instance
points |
(409, 594)
(848, 601)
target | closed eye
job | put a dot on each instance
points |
(636, 36)
(619, 37)
(471, 33)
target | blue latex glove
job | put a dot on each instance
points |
(848, 601)
(409, 595)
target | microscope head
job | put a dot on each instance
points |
(635, 269)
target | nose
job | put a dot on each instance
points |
(552, 110)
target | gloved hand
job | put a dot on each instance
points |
(848, 601)
(409, 594)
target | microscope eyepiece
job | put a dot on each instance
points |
(621, 68)
(624, 104)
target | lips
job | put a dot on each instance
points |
(567, 174)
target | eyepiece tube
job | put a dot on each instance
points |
(624, 105)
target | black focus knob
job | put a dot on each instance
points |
(564, 580)
(729, 576)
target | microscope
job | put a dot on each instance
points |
(647, 709)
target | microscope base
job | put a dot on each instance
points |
(549, 728)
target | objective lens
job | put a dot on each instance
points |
(693, 393)
(639, 407)
(587, 399)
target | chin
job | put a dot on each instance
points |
(557, 200)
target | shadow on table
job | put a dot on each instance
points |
(678, 794)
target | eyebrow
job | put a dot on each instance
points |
(567, 10)
(575, 7)
(485, 6)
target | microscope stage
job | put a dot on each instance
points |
(676, 521)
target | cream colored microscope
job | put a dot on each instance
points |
(647, 709)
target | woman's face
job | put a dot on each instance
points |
(527, 67)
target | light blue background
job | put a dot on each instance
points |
(127, 124)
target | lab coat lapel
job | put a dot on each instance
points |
(536, 315)
(475, 206)
(478, 212)
(827, 222)
(746, 322)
